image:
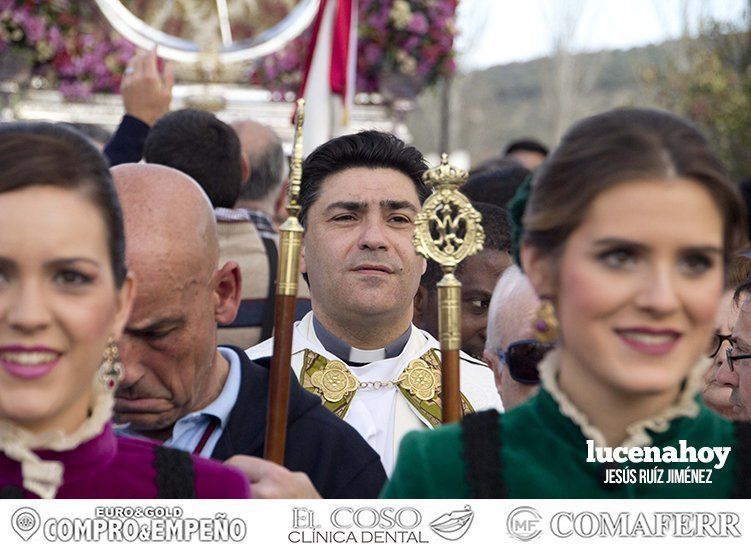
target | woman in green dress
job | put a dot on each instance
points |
(627, 230)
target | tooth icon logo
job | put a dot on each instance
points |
(454, 525)
(25, 522)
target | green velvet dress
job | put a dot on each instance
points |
(538, 450)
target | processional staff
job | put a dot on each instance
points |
(290, 243)
(448, 230)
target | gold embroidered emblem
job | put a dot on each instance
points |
(421, 380)
(334, 381)
(429, 408)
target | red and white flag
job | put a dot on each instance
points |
(329, 80)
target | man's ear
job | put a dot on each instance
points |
(493, 362)
(280, 206)
(227, 292)
(303, 264)
(420, 305)
(539, 268)
(245, 168)
(495, 365)
(125, 298)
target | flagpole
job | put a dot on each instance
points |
(330, 73)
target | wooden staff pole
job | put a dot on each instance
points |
(448, 230)
(450, 336)
(290, 243)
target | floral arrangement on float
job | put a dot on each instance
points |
(63, 44)
(403, 47)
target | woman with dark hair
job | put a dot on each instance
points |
(626, 237)
(65, 296)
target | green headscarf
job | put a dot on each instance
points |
(515, 209)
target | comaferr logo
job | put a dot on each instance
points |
(640, 524)
(524, 523)
(454, 525)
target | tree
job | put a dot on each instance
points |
(713, 89)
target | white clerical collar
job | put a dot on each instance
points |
(354, 356)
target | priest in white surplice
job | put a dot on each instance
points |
(358, 349)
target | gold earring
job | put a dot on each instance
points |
(111, 370)
(546, 323)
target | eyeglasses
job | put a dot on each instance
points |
(717, 340)
(733, 358)
(522, 358)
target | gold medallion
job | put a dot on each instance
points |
(334, 381)
(421, 380)
(448, 229)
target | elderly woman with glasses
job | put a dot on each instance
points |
(65, 296)
(627, 232)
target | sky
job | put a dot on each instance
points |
(503, 31)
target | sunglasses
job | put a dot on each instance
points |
(717, 340)
(522, 358)
(732, 359)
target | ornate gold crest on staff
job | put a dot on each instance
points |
(448, 230)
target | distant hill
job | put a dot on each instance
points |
(539, 98)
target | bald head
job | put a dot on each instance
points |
(255, 137)
(263, 150)
(167, 217)
(511, 311)
(169, 353)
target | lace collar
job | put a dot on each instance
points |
(45, 477)
(636, 433)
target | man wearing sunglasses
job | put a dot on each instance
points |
(736, 373)
(510, 348)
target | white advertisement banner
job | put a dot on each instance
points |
(373, 522)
